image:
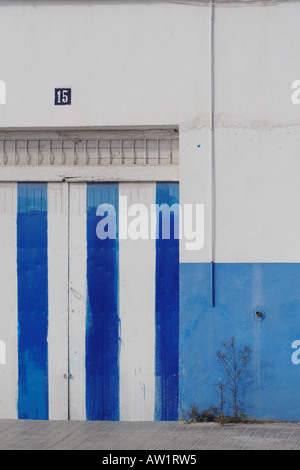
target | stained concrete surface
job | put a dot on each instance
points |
(72, 435)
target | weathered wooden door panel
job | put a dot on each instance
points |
(34, 300)
(89, 324)
(124, 305)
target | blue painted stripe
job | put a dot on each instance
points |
(32, 265)
(102, 327)
(167, 312)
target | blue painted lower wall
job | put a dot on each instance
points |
(272, 386)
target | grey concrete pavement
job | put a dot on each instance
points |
(65, 435)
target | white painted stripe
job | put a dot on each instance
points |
(58, 300)
(77, 300)
(137, 315)
(9, 304)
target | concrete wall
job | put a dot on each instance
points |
(129, 63)
(256, 227)
(149, 63)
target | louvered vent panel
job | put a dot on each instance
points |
(89, 148)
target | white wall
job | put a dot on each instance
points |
(148, 64)
(257, 137)
(257, 164)
(128, 63)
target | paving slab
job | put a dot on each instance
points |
(172, 436)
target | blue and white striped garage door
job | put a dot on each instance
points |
(91, 326)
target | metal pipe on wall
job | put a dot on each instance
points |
(212, 132)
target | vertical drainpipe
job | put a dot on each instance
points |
(212, 133)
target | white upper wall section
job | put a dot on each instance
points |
(128, 63)
(257, 134)
(256, 158)
(148, 63)
(256, 61)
